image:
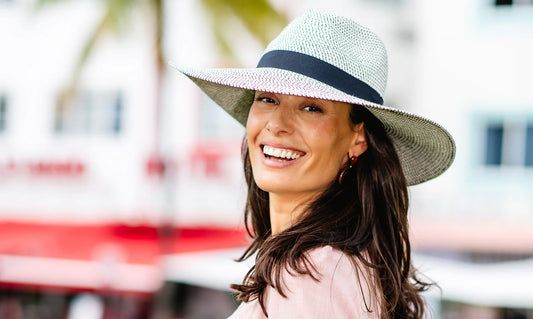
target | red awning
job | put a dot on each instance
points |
(111, 257)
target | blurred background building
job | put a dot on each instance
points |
(121, 192)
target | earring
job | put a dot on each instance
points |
(351, 162)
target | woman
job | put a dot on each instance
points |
(327, 168)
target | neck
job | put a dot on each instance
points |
(285, 210)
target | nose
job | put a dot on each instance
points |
(280, 120)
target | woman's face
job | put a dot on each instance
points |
(297, 144)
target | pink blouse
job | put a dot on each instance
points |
(340, 293)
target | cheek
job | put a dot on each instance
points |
(252, 131)
(252, 125)
(331, 146)
(321, 136)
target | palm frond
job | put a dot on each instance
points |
(39, 4)
(258, 16)
(115, 19)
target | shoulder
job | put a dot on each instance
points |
(337, 290)
(326, 256)
(328, 262)
(325, 253)
(341, 270)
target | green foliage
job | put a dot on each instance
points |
(116, 16)
(258, 16)
(41, 3)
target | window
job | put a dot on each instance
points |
(493, 154)
(509, 143)
(91, 113)
(219, 139)
(529, 145)
(216, 124)
(512, 2)
(3, 112)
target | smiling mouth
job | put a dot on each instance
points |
(280, 154)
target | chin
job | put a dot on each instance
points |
(286, 186)
(272, 186)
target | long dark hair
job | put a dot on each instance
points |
(369, 224)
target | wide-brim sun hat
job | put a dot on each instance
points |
(325, 56)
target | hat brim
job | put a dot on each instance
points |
(424, 147)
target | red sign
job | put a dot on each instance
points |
(45, 168)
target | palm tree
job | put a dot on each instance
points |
(260, 18)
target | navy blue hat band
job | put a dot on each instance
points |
(321, 71)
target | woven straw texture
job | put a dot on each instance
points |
(357, 50)
(425, 149)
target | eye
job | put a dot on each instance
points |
(313, 108)
(265, 99)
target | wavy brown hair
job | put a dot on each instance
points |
(369, 223)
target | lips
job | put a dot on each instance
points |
(280, 153)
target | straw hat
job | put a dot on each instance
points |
(325, 56)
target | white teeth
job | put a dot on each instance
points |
(279, 152)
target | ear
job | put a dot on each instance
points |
(358, 145)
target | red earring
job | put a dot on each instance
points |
(351, 162)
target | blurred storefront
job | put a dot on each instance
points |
(134, 271)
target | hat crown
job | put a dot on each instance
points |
(338, 41)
